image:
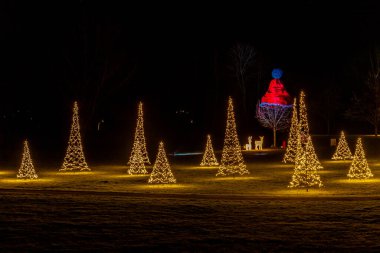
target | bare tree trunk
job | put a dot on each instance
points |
(274, 137)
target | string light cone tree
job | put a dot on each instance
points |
(139, 144)
(342, 151)
(74, 158)
(161, 173)
(303, 121)
(291, 148)
(305, 170)
(209, 158)
(303, 129)
(359, 168)
(26, 170)
(137, 165)
(232, 162)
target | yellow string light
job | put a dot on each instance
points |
(139, 144)
(74, 158)
(342, 151)
(359, 168)
(303, 122)
(26, 170)
(291, 148)
(209, 158)
(232, 162)
(305, 170)
(303, 129)
(137, 165)
(161, 173)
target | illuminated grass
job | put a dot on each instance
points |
(358, 181)
(237, 178)
(7, 172)
(26, 181)
(164, 186)
(128, 176)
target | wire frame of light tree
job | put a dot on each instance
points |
(74, 158)
(273, 116)
(232, 162)
(139, 144)
(161, 173)
(305, 170)
(342, 151)
(291, 147)
(359, 168)
(209, 158)
(26, 170)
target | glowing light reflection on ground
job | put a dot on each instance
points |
(26, 181)
(164, 186)
(357, 181)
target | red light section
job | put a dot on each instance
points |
(276, 94)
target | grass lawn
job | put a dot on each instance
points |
(107, 210)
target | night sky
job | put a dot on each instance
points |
(176, 59)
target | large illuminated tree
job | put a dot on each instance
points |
(291, 148)
(359, 168)
(74, 158)
(342, 150)
(305, 170)
(139, 144)
(273, 111)
(161, 173)
(209, 158)
(232, 162)
(26, 170)
(303, 129)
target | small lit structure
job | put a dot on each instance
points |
(359, 168)
(139, 145)
(342, 150)
(209, 158)
(74, 158)
(259, 144)
(161, 173)
(232, 162)
(249, 145)
(26, 170)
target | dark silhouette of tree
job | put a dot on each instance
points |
(276, 117)
(243, 58)
(365, 105)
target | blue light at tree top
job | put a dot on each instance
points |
(277, 73)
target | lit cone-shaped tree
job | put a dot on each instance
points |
(209, 158)
(305, 171)
(232, 162)
(303, 129)
(26, 170)
(342, 150)
(137, 165)
(291, 148)
(161, 173)
(74, 158)
(139, 144)
(303, 121)
(359, 168)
